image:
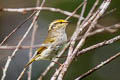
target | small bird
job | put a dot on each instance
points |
(56, 36)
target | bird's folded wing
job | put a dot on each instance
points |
(39, 51)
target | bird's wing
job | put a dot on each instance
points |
(39, 51)
(49, 40)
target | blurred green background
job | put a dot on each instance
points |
(9, 20)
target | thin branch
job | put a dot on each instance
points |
(31, 50)
(109, 12)
(22, 73)
(21, 9)
(97, 15)
(76, 33)
(14, 30)
(90, 12)
(38, 3)
(90, 19)
(72, 43)
(81, 26)
(61, 52)
(98, 66)
(24, 10)
(66, 63)
(75, 10)
(86, 50)
(55, 75)
(114, 27)
(33, 34)
(70, 54)
(33, 39)
(14, 52)
(106, 42)
(52, 63)
(21, 47)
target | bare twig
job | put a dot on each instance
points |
(23, 10)
(88, 23)
(22, 73)
(14, 52)
(32, 42)
(98, 66)
(70, 57)
(21, 47)
(14, 30)
(75, 10)
(99, 45)
(61, 52)
(74, 37)
(72, 43)
(115, 26)
(91, 48)
(31, 50)
(33, 39)
(55, 75)
(91, 12)
(109, 12)
(52, 63)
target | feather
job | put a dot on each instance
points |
(39, 51)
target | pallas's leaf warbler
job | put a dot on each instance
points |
(56, 35)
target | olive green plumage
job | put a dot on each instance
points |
(56, 35)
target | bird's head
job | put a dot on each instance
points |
(58, 24)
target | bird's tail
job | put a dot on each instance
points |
(32, 60)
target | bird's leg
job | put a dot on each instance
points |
(57, 63)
